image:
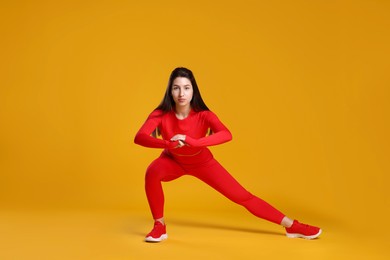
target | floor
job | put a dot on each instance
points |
(71, 234)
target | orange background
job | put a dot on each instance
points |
(302, 85)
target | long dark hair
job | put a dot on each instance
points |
(168, 104)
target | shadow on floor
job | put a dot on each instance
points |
(222, 227)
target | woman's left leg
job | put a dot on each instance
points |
(217, 177)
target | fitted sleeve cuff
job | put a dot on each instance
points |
(171, 145)
(191, 141)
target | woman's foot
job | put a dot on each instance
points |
(158, 233)
(302, 230)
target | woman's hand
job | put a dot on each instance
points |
(180, 138)
(181, 144)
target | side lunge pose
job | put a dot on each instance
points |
(183, 120)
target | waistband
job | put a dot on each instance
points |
(192, 160)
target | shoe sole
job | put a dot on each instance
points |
(297, 235)
(159, 239)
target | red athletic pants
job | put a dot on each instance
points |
(166, 168)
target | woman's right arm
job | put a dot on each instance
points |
(144, 137)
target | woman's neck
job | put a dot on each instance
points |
(182, 112)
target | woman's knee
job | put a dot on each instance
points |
(153, 172)
(162, 170)
(242, 197)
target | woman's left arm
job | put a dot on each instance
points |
(220, 133)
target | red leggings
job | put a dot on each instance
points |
(166, 168)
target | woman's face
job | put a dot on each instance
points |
(182, 91)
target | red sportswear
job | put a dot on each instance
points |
(193, 159)
(195, 126)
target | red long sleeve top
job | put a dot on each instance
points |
(195, 126)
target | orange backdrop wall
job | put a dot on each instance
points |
(302, 85)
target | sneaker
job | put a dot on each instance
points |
(302, 230)
(158, 233)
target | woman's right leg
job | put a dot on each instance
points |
(162, 169)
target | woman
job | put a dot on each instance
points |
(187, 127)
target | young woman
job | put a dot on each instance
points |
(187, 128)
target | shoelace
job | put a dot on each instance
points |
(305, 228)
(302, 226)
(157, 227)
